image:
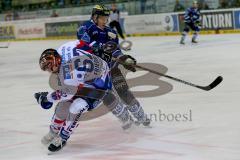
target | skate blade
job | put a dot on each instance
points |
(49, 153)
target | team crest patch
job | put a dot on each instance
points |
(112, 35)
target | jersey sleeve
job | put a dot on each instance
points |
(68, 89)
(187, 16)
(58, 96)
(113, 36)
(197, 16)
(83, 34)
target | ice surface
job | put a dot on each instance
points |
(213, 133)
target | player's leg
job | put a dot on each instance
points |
(112, 102)
(76, 109)
(196, 30)
(111, 24)
(128, 98)
(184, 33)
(119, 30)
(58, 119)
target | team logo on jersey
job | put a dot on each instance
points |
(112, 35)
(85, 37)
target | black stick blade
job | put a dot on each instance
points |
(216, 82)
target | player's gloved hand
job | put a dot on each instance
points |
(56, 95)
(110, 47)
(198, 24)
(96, 47)
(98, 50)
(41, 98)
(128, 62)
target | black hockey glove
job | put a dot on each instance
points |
(104, 51)
(198, 24)
(41, 98)
(110, 47)
(128, 62)
(98, 50)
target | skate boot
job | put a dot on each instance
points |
(46, 140)
(194, 38)
(182, 40)
(128, 124)
(145, 121)
(194, 41)
(56, 144)
(138, 113)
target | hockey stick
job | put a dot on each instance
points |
(6, 46)
(112, 46)
(216, 82)
(3, 46)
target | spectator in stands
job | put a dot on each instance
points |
(61, 3)
(178, 7)
(15, 15)
(1, 7)
(223, 4)
(234, 3)
(54, 13)
(143, 2)
(8, 16)
(7, 4)
(237, 3)
(203, 5)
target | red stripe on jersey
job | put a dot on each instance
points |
(82, 44)
(58, 121)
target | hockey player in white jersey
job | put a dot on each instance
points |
(84, 71)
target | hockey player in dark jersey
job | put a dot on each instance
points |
(192, 21)
(95, 33)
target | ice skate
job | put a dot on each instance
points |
(46, 140)
(56, 144)
(145, 121)
(182, 41)
(128, 124)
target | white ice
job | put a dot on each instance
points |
(213, 133)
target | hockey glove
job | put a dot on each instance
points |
(41, 98)
(128, 62)
(98, 50)
(57, 95)
(110, 47)
(198, 24)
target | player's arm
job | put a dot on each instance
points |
(187, 16)
(118, 12)
(83, 33)
(46, 99)
(126, 60)
(41, 98)
(197, 18)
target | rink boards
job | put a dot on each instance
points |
(213, 22)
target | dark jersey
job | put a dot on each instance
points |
(192, 15)
(90, 33)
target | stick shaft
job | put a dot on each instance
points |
(167, 76)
